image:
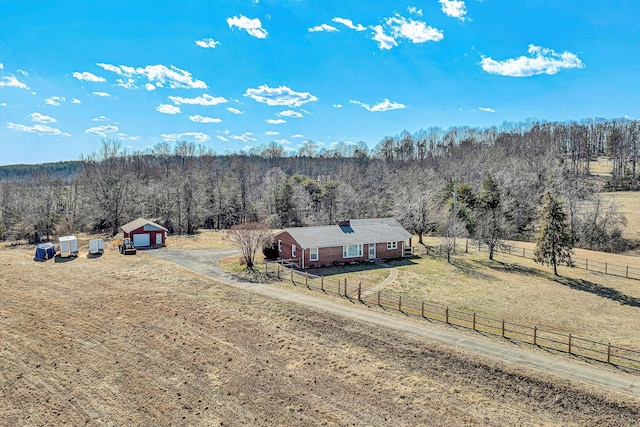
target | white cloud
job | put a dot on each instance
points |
(251, 26)
(11, 81)
(23, 72)
(349, 23)
(222, 138)
(102, 130)
(322, 27)
(100, 119)
(89, 77)
(234, 110)
(416, 31)
(297, 135)
(55, 100)
(103, 94)
(200, 100)
(245, 137)
(76, 101)
(385, 41)
(414, 10)
(150, 87)
(126, 83)
(161, 75)
(38, 128)
(41, 118)
(384, 105)
(1, 66)
(271, 133)
(487, 109)
(196, 136)
(202, 119)
(337, 105)
(282, 141)
(289, 113)
(208, 43)
(275, 121)
(541, 61)
(454, 8)
(280, 96)
(168, 109)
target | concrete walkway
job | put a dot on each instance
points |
(206, 262)
(393, 275)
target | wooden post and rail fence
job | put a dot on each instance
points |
(534, 335)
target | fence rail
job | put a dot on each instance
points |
(583, 263)
(544, 338)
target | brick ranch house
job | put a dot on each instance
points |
(356, 240)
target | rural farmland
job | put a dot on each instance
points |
(144, 341)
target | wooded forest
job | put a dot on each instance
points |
(466, 181)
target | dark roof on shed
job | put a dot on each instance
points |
(358, 231)
(140, 222)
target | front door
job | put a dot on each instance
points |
(372, 251)
(159, 239)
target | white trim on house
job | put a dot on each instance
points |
(279, 245)
(313, 254)
(372, 250)
(392, 245)
(348, 251)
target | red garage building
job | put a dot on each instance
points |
(145, 233)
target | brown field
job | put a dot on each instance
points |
(603, 166)
(134, 340)
(629, 206)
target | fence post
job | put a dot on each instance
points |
(345, 287)
(359, 291)
(446, 315)
(379, 299)
(306, 279)
(279, 270)
(535, 335)
(266, 270)
(627, 274)
(502, 328)
(605, 268)
(586, 263)
(292, 276)
(474, 321)
(422, 309)
(322, 283)
(523, 249)
(399, 302)
(339, 287)
(569, 343)
(609, 353)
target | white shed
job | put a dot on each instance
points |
(96, 246)
(68, 246)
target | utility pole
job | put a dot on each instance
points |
(455, 198)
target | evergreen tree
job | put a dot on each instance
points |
(491, 224)
(554, 243)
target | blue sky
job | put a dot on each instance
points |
(240, 73)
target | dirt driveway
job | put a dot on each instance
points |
(205, 262)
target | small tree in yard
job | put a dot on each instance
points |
(554, 243)
(491, 224)
(250, 238)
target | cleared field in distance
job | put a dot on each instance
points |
(629, 205)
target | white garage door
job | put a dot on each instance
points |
(141, 240)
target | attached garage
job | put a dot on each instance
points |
(145, 233)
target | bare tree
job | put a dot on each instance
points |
(250, 238)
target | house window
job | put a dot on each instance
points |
(351, 251)
(279, 245)
(293, 251)
(392, 245)
(313, 254)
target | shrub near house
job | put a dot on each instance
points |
(354, 240)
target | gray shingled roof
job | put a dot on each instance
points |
(360, 231)
(140, 222)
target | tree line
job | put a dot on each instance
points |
(487, 184)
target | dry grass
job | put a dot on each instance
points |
(134, 340)
(204, 239)
(603, 166)
(629, 204)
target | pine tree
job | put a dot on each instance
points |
(491, 226)
(554, 243)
